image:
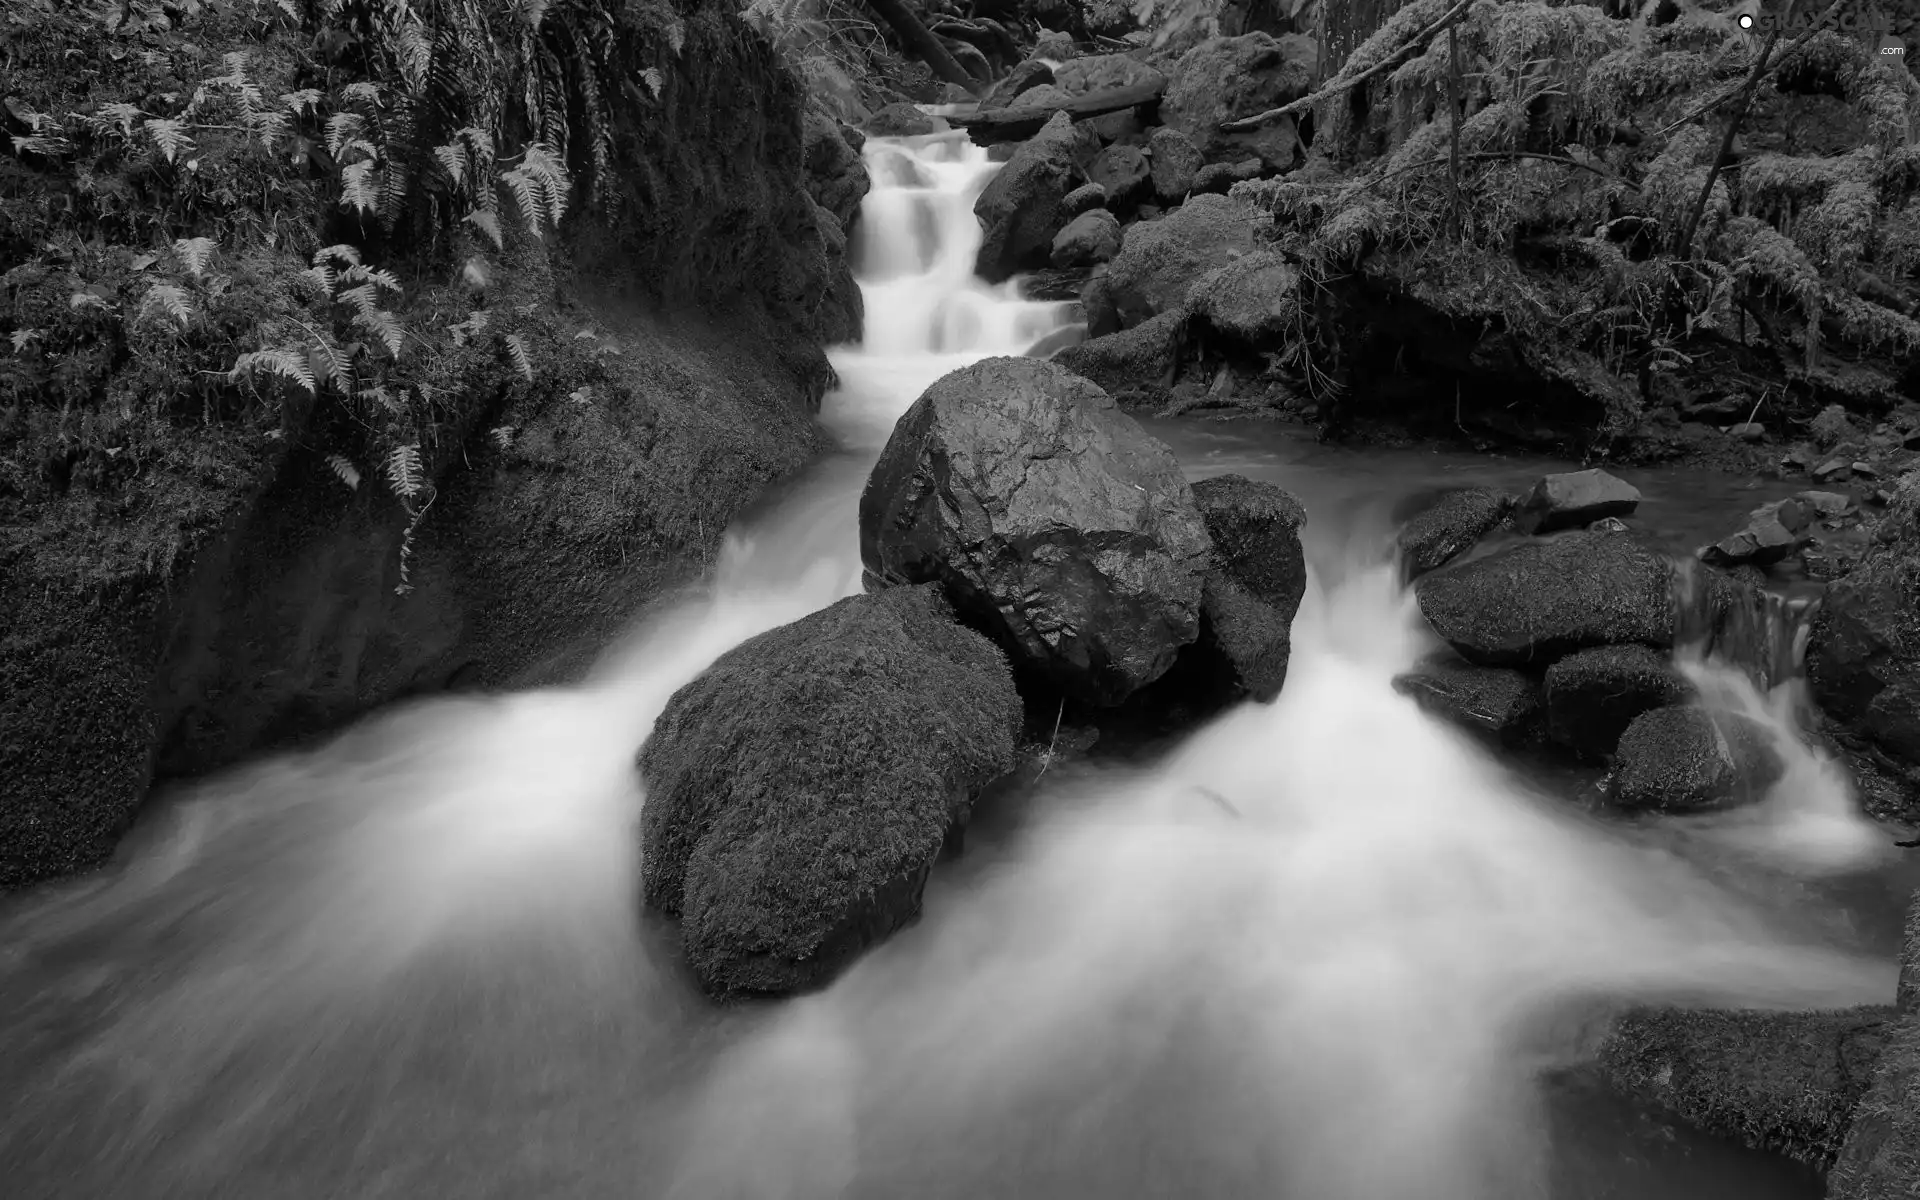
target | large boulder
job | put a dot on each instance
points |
(1089, 239)
(1497, 703)
(1225, 79)
(1123, 173)
(1176, 163)
(1147, 354)
(1102, 73)
(903, 119)
(1541, 600)
(1254, 300)
(1593, 695)
(1053, 521)
(799, 792)
(1880, 1159)
(1863, 657)
(1682, 759)
(1783, 1082)
(1253, 590)
(1023, 78)
(1020, 209)
(1160, 261)
(836, 176)
(1453, 523)
(1575, 499)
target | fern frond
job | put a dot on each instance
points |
(522, 361)
(384, 326)
(344, 470)
(356, 188)
(342, 128)
(195, 254)
(169, 136)
(404, 472)
(343, 252)
(168, 299)
(488, 224)
(502, 436)
(362, 299)
(283, 364)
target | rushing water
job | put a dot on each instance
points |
(1324, 950)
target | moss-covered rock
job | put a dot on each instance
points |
(1782, 1082)
(799, 792)
(1160, 261)
(1498, 703)
(1253, 589)
(1540, 600)
(1593, 695)
(1449, 526)
(1147, 355)
(1020, 209)
(1880, 1159)
(1682, 759)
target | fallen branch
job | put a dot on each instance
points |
(1342, 85)
(1819, 22)
(1021, 121)
(1726, 141)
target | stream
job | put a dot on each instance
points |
(409, 961)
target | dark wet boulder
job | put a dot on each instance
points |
(1880, 1159)
(1783, 1082)
(1088, 240)
(836, 176)
(1024, 77)
(1498, 703)
(1593, 695)
(1541, 600)
(1863, 656)
(1160, 261)
(1225, 79)
(1682, 759)
(1054, 523)
(1083, 199)
(1219, 178)
(1450, 526)
(1254, 300)
(1254, 586)
(1146, 355)
(1104, 73)
(1123, 173)
(902, 120)
(1771, 532)
(1176, 161)
(1574, 500)
(800, 790)
(1020, 208)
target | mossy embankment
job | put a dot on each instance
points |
(512, 432)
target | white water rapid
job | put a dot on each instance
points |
(1322, 951)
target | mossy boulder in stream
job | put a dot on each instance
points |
(1497, 703)
(1054, 523)
(1788, 1083)
(1253, 590)
(1541, 600)
(1682, 759)
(1593, 695)
(1450, 525)
(1020, 209)
(799, 792)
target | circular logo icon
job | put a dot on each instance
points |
(1746, 20)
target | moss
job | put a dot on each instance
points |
(1782, 1082)
(799, 791)
(1881, 1157)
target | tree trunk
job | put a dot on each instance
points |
(918, 38)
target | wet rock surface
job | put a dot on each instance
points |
(1540, 600)
(1573, 500)
(1021, 209)
(1678, 759)
(1254, 586)
(800, 790)
(1159, 262)
(1592, 696)
(1052, 521)
(1453, 523)
(1496, 702)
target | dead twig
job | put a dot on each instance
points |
(1344, 85)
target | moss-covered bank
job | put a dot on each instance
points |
(199, 562)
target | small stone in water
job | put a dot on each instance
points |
(1833, 468)
(1827, 504)
(1865, 470)
(1750, 431)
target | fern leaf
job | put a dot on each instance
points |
(452, 158)
(195, 254)
(168, 299)
(362, 299)
(382, 325)
(488, 224)
(302, 102)
(356, 188)
(502, 436)
(170, 136)
(284, 364)
(654, 81)
(330, 364)
(517, 350)
(404, 472)
(343, 128)
(344, 470)
(343, 252)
